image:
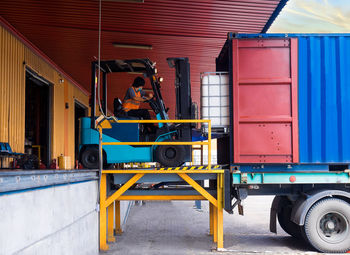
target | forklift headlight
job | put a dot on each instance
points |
(160, 79)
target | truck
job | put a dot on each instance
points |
(287, 135)
(279, 106)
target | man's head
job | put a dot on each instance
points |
(139, 82)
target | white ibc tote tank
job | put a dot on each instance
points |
(215, 100)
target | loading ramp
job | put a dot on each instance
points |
(124, 187)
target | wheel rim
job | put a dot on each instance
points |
(170, 153)
(91, 158)
(333, 227)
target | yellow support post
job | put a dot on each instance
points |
(118, 228)
(110, 223)
(211, 219)
(103, 213)
(215, 224)
(220, 223)
(209, 145)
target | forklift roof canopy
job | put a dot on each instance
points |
(119, 66)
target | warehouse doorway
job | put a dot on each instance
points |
(38, 108)
(80, 111)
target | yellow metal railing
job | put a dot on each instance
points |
(107, 201)
(208, 142)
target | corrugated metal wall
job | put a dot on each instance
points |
(12, 91)
(14, 57)
(324, 98)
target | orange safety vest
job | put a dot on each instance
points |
(131, 104)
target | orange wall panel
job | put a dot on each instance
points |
(14, 57)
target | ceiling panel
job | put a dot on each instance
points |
(67, 32)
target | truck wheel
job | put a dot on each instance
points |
(90, 158)
(170, 155)
(284, 214)
(327, 226)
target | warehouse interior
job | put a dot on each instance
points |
(47, 54)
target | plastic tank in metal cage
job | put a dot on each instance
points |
(215, 100)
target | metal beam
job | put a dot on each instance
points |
(143, 197)
(199, 188)
(122, 189)
(274, 15)
(154, 171)
(309, 177)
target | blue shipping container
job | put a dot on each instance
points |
(324, 95)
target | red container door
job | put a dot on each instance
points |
(265, 100)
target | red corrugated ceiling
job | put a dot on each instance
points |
(67, 32)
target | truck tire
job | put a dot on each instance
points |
(90, 157)
(170, 155)
(284, 214)
(327, 226)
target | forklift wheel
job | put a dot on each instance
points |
(89, 158)
(170, 155)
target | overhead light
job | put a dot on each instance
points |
(133, 46)
(135, 73)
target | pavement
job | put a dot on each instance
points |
(177, 227)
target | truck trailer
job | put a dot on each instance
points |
(288, 131)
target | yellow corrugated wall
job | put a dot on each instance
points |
(12, 91)
(14, 57)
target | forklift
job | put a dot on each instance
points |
(165, 155)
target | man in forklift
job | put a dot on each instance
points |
(134, 97)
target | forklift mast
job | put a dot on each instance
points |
(184, 108)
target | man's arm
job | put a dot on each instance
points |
(134, 97)
(146, 95)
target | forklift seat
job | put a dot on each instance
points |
(119, 112)
(118, 108)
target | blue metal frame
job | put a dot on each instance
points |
(232, 35)
(274, 15)
(125, 132)
(114, 154)
(292, 178)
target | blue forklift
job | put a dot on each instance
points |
(166, 155)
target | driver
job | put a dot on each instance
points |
(133, 98)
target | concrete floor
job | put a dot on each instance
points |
(178, 228)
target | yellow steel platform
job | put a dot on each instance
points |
(107, 202)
